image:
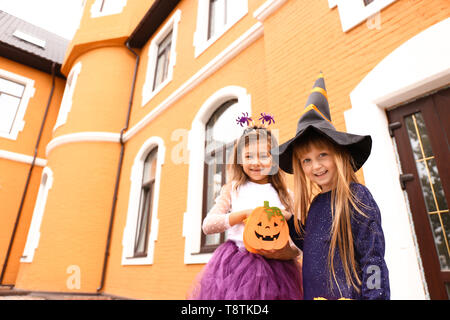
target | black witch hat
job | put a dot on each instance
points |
(316, 118)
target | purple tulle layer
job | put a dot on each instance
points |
(236, 274)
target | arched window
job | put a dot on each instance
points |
(141, 229)
(220, 134)
(38, 214)
(66, 103)
(145, 204)
(213, 131)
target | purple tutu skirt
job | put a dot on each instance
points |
(236, 274)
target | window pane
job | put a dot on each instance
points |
(159, 71)
(221, 132)
(217, 16)
(110, 5)
(430, 182)
(8, 110)
(447, 285)
(222, 127)
(214, 184)
(146, 202)
(162, 61)
(165, 44)
(150, 166)
(11, 88)
(143, 223)
(439, 226)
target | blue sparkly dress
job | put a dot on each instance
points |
(369, 250)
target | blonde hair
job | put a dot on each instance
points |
(236, 172)
(343, 200)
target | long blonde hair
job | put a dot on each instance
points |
(236, 172)
(343, 200)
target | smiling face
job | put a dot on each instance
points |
(257, 161)
(318, 165)
(266, 228)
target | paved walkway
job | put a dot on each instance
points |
(8, 293)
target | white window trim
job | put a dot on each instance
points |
(201, 41)
(172, 25)
(28, 93)
(418, 66)
(95, 9)
(192, 218)
(66, 102)
(129, 233)
(353, 12)
(34, 233)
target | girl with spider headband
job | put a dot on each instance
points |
(233, 273)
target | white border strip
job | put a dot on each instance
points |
(267, 8)
(13, 156)
(416, 67)
(250, 36)
(83, 137)
(240, 44)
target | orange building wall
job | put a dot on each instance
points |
(278, 81)
(75, 222)
(278, 70)
(158, 281)
(13, 174)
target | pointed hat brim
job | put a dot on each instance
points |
(315, 118)
(358, 146)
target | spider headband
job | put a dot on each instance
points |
(266, 119)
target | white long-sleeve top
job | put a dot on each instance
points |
(248, 196)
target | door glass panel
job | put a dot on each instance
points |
(430, 182)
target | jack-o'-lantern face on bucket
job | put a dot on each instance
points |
(266, 229)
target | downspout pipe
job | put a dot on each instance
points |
(119, 170)
(27, 183)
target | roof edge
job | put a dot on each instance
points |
(154, 17)
(26, 58)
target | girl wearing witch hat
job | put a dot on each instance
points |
(336, 221)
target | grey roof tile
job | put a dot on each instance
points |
(55, 46)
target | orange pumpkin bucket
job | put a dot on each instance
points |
(266, 229)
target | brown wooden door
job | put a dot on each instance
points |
(421, 132)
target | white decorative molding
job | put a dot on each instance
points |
(34, 233)
(417, 67)
(129, 233)
(82, 137)
(14, 156)
(244, 41)
(267, 8)
(353, 12)
(171, 26)
(66, 102)
(235, 13)
(192, 218)
(116, 7)
(29, 90)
